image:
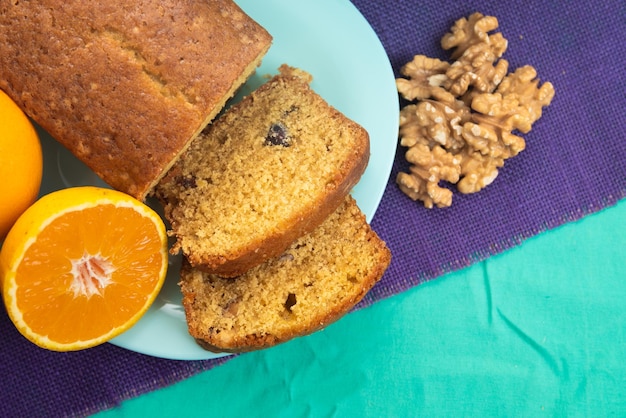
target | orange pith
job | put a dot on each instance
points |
(84, 273)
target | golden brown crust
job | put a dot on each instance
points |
(126, 86)
(227, 315)
(321, 199)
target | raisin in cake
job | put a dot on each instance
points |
(320, 277)
(269, 170)
(126, 85)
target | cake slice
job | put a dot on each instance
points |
(266, 172)
(320, 277)
(126, 85)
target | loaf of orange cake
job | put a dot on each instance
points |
(319, 278)
(126, 85)
(267, 171)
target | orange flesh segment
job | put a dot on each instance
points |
(44, 290)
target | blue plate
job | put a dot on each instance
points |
(332, 41)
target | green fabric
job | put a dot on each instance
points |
(536, 331)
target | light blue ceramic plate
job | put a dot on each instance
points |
(329, 39)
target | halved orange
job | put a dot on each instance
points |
(82, 265)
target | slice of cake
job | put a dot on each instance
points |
(126, 85)
(266, 172)
(320, 277)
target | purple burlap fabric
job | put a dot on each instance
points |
(574, 164)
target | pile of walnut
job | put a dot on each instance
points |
(460, 127)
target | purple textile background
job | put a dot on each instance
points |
(574, 164)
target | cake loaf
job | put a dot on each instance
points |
(126, 85)
(320, 277)
(267, 171)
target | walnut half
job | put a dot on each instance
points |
(468, 32)
(430, 166)
(425, 78)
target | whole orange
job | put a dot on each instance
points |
(21, 163)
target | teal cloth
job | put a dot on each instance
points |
(536, 331)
